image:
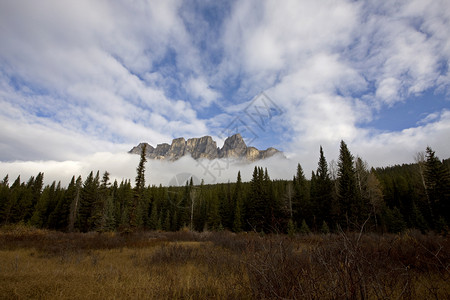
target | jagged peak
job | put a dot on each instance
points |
(205, 147)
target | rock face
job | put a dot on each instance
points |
(205, 147)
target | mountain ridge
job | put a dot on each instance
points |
(205, 148)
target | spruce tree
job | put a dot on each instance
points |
(238, 213)
(136, 207)
(323, 192)
(256, 208)
(301, 204)
(4, 198)
(88, 196)
(59, 218)
(36, 189)
(347, 189)
(437, 178)
(44, 206)
(75, 204)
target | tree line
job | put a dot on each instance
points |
(342, 195)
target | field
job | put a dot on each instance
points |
(41, 264)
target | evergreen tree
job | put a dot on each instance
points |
(36, 189)
(214, 219)
(167, 223)
(291, 228)
(136, 207)
(255, 208)
(124, 199)
(153, 223)
(4, 198)
(11, 201)
(75, 204)
(324, 229)
(348, 202)
(45, 206)
(323, 192)
(88, 197)
(227, 206)
(104, 208)
(59, 218)
(437, 178)
(304, 228)
(301, 205)
(238, 200)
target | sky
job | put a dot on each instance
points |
(82, 82)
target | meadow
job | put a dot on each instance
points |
(43, 264)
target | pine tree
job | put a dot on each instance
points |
(166, 224)
(59, 218)
(238, 213)
(347, 187)
(153, 223)
(89, 195)
(11, 201)
(301, 204)
(4, 198)
(323, 191)
(437, 178)
(23, 207)
(291, 228)
(36, 189)
(136, 207)
(214, 219)
(324, 229)
(125, 197)
(75, 204)
(304, 228)
(44, 206)
(256, 206)
(103, 211)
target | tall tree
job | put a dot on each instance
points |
(238, 203)
(89, 195)
(136, 207)
(36, 186)
(323, 192)
(255, 207)
(437, 178)
(301, 207)
(4, 198)
(347, 187)
(46, 205)
(105, 208)
(75, 204)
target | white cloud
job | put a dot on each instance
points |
(388, 90)
(390, 148)
(79, 78)
(199, 89)
(429, 118)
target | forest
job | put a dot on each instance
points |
(346, 195)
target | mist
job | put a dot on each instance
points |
(122, 166)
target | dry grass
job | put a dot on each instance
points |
(37, 264)
(43, 265)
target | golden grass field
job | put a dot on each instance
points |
(38, 264)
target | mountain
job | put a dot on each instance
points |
(205, 147)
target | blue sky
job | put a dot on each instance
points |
(82, 80)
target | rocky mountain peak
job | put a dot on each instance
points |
(234, 146)
(205, 148)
